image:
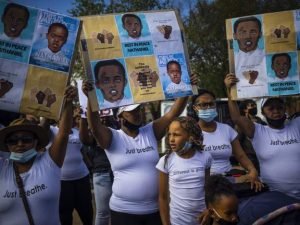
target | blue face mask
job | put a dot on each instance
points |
(187, 146)
(24, 156)
(207, 115)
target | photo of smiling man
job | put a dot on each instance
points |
(111, 81)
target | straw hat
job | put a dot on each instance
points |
(24, 125)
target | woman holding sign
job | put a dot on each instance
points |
(133, 154)
(29, 179)
(276, 145)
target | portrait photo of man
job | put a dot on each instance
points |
(249, 58)
(281, 65)
(177, 85)
(133, 25)
(110, 79)
(15, 19)
(57, 36)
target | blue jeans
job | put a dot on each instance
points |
(102, 189)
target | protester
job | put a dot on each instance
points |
(75, 182)
(30, 181)
(101, 170)
(221, 201)
(276, 145)
(220, 139)
(132, 152)
(183, 171)
(248, 108)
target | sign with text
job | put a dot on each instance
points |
(264, 53)
(135, 57)
(36, 54)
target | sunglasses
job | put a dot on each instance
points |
(23, 139)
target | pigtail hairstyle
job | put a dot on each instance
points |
(192, 128)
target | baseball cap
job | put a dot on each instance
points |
(127, 108)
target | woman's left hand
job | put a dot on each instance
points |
(254, 180)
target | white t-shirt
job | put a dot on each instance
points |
(218, 144)
(173, 88)
(278, 152)
(74, 167)
(133, 160)
(42, 187)
(46, 54)
(186, 184)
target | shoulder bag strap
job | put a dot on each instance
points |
(22, 194)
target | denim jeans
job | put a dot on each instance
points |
(102, 189)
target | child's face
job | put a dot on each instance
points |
(281, 66)
(133, 26)
(225, 208)
(177, 136)
(111, 82)
(175, 73)
(57, 37)
(247, 35)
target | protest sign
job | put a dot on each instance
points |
(36, 54)
(264, 53)
(127, 56)
(83, 101)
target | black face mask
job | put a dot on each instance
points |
(131, 126)
(252, 111)
(276, 123)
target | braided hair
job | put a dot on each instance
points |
(191, 126)
(215, 187)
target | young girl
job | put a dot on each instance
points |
(183, 171)
(221, 201)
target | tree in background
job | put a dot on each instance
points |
(206, 34)
(204, 22)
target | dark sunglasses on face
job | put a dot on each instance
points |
(23, 139)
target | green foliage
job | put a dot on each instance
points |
(204, 28)
(206, 34)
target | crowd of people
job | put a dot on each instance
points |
(47, 167)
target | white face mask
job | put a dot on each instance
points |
(24, 156)
(207, 115)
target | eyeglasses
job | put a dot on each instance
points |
(205, 105)
(23, 139)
